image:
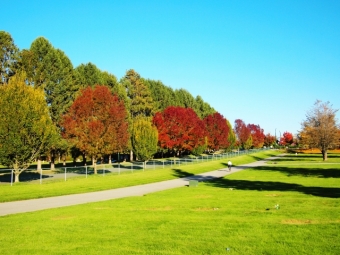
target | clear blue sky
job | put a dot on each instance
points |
(265, 62)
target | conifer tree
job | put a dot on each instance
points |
(9, 56)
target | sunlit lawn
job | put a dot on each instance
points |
(233, 215)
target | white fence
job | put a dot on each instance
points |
(39, 176)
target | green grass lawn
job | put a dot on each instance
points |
(233, 215)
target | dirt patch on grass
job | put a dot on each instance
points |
(63, 217)
(166, 208)
(272, 195)
(204, 209)
(296, 222)
(102, 208)
(202, 196)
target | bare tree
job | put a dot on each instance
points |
(321, 129)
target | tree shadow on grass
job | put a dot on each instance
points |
(24, 177)
(275, 186)
(261, 185)
(305, 157)
(301, 171)
(256, 158)
(180, 173)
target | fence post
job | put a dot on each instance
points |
(86, 171)
(40, 175)
(12, 177)
(65, 173)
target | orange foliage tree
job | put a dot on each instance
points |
(96, 123)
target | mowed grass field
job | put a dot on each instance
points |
(289, 206)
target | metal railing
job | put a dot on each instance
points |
(38, 176)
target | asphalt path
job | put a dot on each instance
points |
(139, 190)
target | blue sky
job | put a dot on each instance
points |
(265, 62)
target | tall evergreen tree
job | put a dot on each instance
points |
(163, 96)
(89, 75)
(186, 99)
(9, 56)
(141, 103)
(203, 109)
(50, 69)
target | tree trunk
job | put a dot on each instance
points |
(16, 174)
(131, 155)
(94, 165)
(324, 155)
(52, 160)
(84, 159)
(39, 164)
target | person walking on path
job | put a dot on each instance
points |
(229, 165)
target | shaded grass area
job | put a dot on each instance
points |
(233, 215)
(58, 187)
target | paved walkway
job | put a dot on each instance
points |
(76, 199)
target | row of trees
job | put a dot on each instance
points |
(88, 112)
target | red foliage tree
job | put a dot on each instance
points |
(179, 129)
(286, 139)
(96, 123)
(217, 131)
(242, 132)
(257, 134)
(269, 140)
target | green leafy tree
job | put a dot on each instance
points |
(248, 143)
(26, 128)
(140, 102)
(203, 109)
(231, 137)
(9, 56)
(144, 138)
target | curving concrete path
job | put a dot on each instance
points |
(139, 190)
